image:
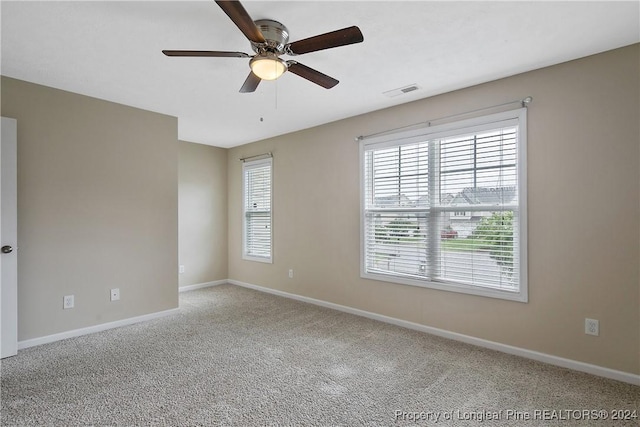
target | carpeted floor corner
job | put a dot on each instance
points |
(238, 357)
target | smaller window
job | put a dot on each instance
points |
(257, 220)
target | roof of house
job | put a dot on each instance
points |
(485, 196)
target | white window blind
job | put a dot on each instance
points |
(445, 206)
(257, 235)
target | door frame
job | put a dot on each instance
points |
(9, 237)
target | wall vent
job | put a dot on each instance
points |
(401, 91)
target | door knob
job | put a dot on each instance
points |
(7, 249)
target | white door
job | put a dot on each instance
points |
(8, 239)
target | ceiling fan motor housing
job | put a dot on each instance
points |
(276, 35)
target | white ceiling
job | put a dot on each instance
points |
(112, 50)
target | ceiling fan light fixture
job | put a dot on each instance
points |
(267, 66)
(269, 40)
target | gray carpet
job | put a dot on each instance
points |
(238, 357)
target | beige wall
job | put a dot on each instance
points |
(97, 209)
(202, 189)
(584, 213)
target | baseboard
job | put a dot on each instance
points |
(93, 329)
(110, 325)
(517, 351)
(202, 285)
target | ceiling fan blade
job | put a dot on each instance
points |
(343, 37)
(209, 53)
(241, 18)
(251, 83)
(312, 75)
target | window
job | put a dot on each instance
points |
(257, 210)
(445, 206)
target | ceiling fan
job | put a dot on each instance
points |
(269, 40)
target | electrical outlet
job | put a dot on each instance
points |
(115, 294)
(591, 327)
(181, 269)
(67, 301)
(291, 273)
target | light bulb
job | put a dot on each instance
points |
(267, 66)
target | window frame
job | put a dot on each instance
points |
(246, 166)
(428, 133)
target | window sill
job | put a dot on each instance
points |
(510, 295)
(257, 259)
